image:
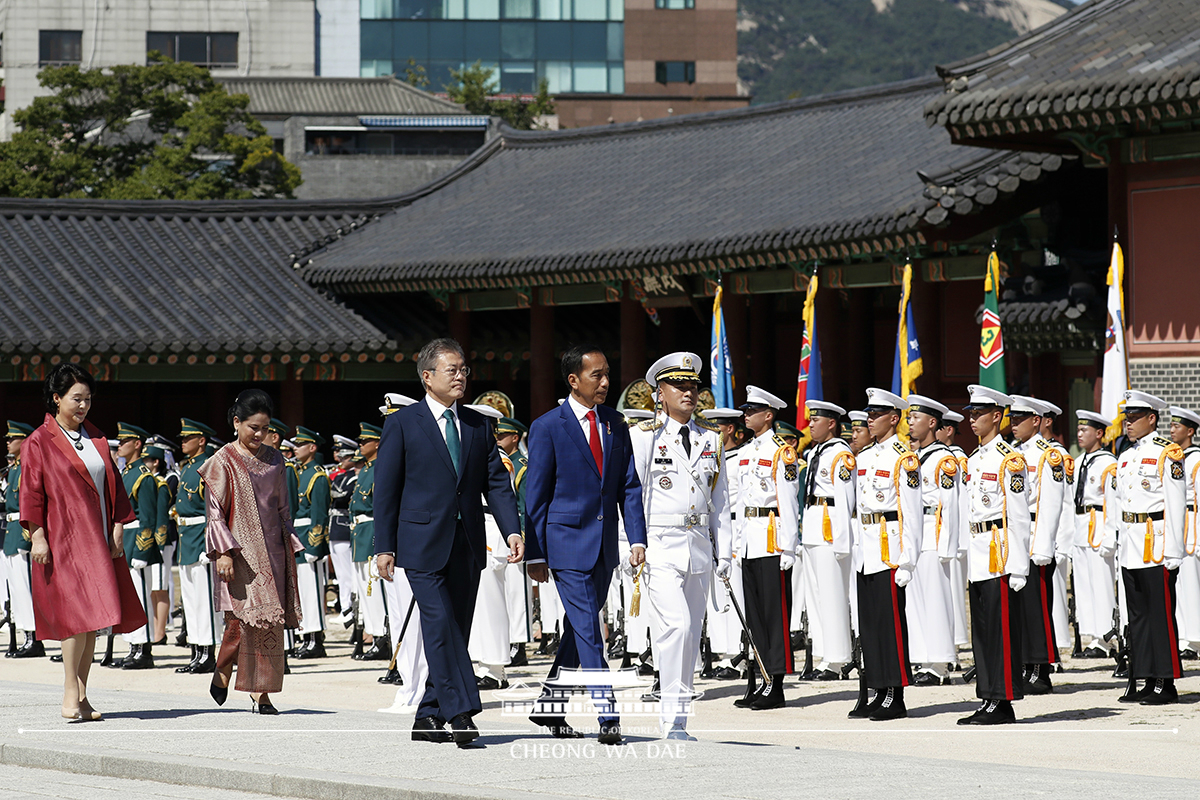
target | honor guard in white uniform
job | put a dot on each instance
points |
(1060, 609)
(860, 434)
(958, 570)
(1046, 488)
(725, 630)
(518, 589)
(930, 606)
(1091, 562)
(1184, 424)
(195, 570)
(998, 559)
(636, 628)
(827, 536)
(341, 489)
(16, 553)
(1146, 515)
(791, 434)
(407, 642)
(768, 514)
(680, 461)
(888, 496)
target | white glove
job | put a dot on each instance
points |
(1107, 552)
(310, 558)
(724, 569)
(841, 556)
(786, 561)
(1016, 582)
(1061, 560)
(497, 564)
(946, 559)
(625, 567)
(204, 559)
(1172, 563)
(903, 576)
(1041, 561)
(137, 563)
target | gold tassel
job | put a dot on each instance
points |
(772, 547)
(635, 605)
(1148, 549)
(827, 525)
(1091, 527)
(885, 554)
(993, 557)
(937, 527)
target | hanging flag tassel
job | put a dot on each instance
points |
(1148, 549)
(772, 546)
(635, 605)
(826, 525)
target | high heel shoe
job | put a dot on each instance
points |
(72, 715)
(219, 693)
(257, 707)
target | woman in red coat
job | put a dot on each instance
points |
(73, 503)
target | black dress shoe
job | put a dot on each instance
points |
(1162, 692)
(219, 693)
(262, 708)
(1188, 654)
(727, 674)
(519, 657)
(430, 729)
(380, 651)
(891, 706)
(56, 658)
(488, 683)
(144, 660)
(927, 679)
(1138, 695)
(828, 675)
(1095, 652)
(992, 712)
(558, 726)
(315, 649)
(134, 651)
(610, 733)
(463, 730)
(392, 676)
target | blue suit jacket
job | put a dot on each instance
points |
(418, 495)
(571, 509)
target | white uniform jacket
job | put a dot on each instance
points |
(889, 507)
(1046, 488)
(1148, 503)
(768, 510)
(827, 497)
(998, 515)
(941, 488)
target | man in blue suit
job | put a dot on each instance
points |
(581, 473)
(436, 460)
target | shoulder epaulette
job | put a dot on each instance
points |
(899, 448)
(1161, 442)
(1005, 447)
(650, 424)
(779, 440)
(1044, 444)
(144, 469)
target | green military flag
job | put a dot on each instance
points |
(991, 342)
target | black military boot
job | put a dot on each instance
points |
(206, 664)
(188, 667)
(771, 696)
(144, 660)
(32, 648)
(891, 706)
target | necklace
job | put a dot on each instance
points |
(76, 440)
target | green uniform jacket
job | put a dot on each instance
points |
(362, 503)
(293, 485)
(190, 503)
(142, 488)
(165, 502)
(313, 504)
(521, 466)
(16, 540)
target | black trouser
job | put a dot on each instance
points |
(996, 639)
(883, 630)
(768, 594)
(1038, 645)
(1153, 638)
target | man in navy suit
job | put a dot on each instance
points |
(581, 473)
(436, 459)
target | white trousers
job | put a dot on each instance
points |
(930, 614)
(19, 590)
(141, 584)
(1064, 636)
(1187, 603)
(724, 627)
(551, 608)
(827, 582)
(678, 600)
(958, 600)
(199, 611)
(3, 580)
(798, 604)
(343, 565)
(372, 606)
(488, 643)
(407, 642)
(310, 580)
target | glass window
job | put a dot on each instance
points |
(616, 41)
(675, 71)
(675, 4)
(483, 9)
(516, 77)
(551, 9)
(591, 76)
(162, 42)
(591, 9)
(60, 47)
(616, 9)
(409, 40)
(449, 9)
(192, 47)
(375, 9)
(557, 75)
(446, 41)
(224, 49)
(483, 41)
(439, 74)
(554, 41)
(375, 67)
(518, 9)
(378, 144)
(516, 40)
(616, 77)
(376, 40)
(589, 41)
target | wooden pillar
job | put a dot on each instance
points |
(460, 326)
(542, 366)
(762, 344)
(734, 308)
(291, 399)
(633, 338)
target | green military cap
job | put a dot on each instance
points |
(846, 430)
(18, 430)
(359, 458)
(189, 427)
(307, 436)
(279, 426)
(127, 431)
(510, 425)
(784, 429)
(368, 431)
(153, 451)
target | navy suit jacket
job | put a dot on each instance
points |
(419, 497)
(571, 509)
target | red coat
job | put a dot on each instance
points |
(83, 588)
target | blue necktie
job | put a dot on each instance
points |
(453, 443)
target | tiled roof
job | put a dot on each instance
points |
(824, 178)
(337, 96)
(175, 278)
(1105, 63)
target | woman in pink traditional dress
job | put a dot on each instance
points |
(252, 548)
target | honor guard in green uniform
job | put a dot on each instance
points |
(16, 555)
(312, 528)
(141, 547)
(277, 433)
(154, 457)
(371, 603)
(195, 570)
(518, 590)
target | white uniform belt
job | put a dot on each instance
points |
(757, 511)
(185, 521)
(302, 521)
(363, 518)
(13, 517)
(676, 520)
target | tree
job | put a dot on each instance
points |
(476, 89)
(166, 131)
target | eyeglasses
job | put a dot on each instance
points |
(454, 372)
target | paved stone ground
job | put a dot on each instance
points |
(330, 742)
